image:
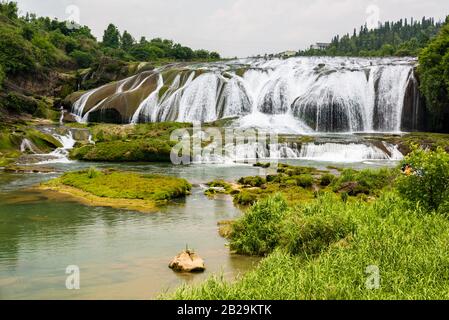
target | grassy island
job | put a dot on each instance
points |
(118, 189)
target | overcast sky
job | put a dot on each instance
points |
(236, 27)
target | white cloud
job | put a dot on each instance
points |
(236, 27)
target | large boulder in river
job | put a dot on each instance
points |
(187, 261)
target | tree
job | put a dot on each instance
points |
(83, 59)
(127, 41)
(434, 71)
(214, 55)
(111, 37)
(201, 54)
(428, 186)
(9, 9)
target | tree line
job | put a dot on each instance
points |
(401, 38)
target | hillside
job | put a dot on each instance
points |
(42, 60)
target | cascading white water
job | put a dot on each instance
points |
(296, 95)
(325, 152)
(352, 152)
(60, 155)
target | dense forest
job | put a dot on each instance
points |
(401, 38)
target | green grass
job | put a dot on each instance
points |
(408, 246)
(126, 185)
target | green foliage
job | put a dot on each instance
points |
(327, 179)
(127, 41)
(16, 54)
(304, 180)
(83, 59)
(93, 173)
(428, 185)
(252, 181)
(257, 232)
(434, 75)
(111, 37)
(312, 227)
(401, 38)
(366, 181)
(245, 198)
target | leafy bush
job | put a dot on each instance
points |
(366, 181)
(16, 54)
(245, 198)
(311, 228)
(428, 185)
(304, 180)
(326, 179)
(257, 232)
(252, 181)
(83, 59)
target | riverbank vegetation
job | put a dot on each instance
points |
(141, 192)
(434, 77)
(328, 248)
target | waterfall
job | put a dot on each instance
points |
(296, 95)
(149, 103)
(351, 152)
(60, 155)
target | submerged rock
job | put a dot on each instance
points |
(187, 261)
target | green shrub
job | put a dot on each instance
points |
(311, 228)
(367, 181)
(326, 179)
(252, 181)
(245, 198)
(82, 59)
(428, 185)
(304, 180)
(93, 173)
(257, 232)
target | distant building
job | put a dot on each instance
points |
(320, 46)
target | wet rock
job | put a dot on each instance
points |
(187, 261)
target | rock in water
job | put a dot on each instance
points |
(187, 261)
